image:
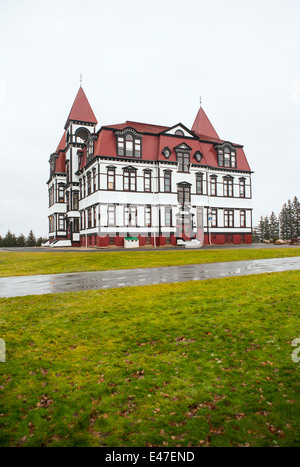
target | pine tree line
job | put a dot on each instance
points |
(11, 240)
(286, 226)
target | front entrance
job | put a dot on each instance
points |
(184, 226)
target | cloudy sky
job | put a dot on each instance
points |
(148, 61)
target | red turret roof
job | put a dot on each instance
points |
(203, 127)
(62, 143)
(81, 110)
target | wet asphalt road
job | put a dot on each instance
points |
(71, 282)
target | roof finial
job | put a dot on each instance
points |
(200, 101)
(80, 79)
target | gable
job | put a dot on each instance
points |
(179, 130)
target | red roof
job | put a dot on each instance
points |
(62, 143)
(153, 144)
(60, 163)
(203, 127)
(81, 110)
(139, 127)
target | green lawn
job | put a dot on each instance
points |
(22, 263)
(192, 364)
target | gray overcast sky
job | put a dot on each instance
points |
(148, 61)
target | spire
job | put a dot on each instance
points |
(202, 125)
(81, 110)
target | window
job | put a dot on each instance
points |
(243, 218)
(68, 200)
(183, 159)
(129, 145)
(228, 186)
(61, 222)
(179, 133)
(84, 187)
(228, 218)
(94, 216)
(76, 225)
(213, 186)
(227, 157)
(51, 224)
(89, 218)
(130, 215)
(120, 148)
(137, 147)
(242, 188)
(111, 177)
(51, 196)
(168, 216)
(111, 215)
(82, 220)
(94, 180)
(167, 181)
(61, 194)
(129, 179)
(89, 183)
(214, 217)
(148, 216)
(147, 180)
(199, 184)
(75, 201)
(184, 193)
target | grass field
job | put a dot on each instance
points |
(191, 364)
(23, 263)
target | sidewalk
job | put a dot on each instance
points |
(71, 282)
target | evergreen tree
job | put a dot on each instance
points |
(40, 240)
(1, 240)
(296, 216)
(283, 219)
(9, 240)
(31, 240)
(255, 235)
(274, 227)
(267, 235)
(21, 240)
(261, 230)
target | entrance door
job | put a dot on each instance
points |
(184, 227)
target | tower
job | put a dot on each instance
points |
(80, 131)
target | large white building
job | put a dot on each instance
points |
(163, 185)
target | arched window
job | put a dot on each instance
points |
(226, 156)
(129, 143)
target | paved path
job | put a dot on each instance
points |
(57, 283)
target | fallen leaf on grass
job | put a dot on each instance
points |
(45, 401)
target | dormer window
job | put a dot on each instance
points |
(129, 143)
(226, 156)
(90, 148)
(183, 157)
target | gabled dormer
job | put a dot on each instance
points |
(178, 130)
(183, 156)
